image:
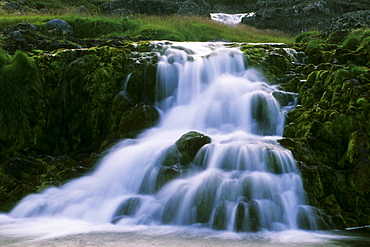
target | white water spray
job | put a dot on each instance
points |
(242, 181)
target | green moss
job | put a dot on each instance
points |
(340, 76)
(351, 42)
(314, 50)
(364, 45)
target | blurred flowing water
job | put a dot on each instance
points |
(243, 181)
(230, 19)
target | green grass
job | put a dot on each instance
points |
(175, 28)
(195, 28)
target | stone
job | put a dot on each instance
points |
(191, 142)
(177, 159)
(82, 10)
(59, 28)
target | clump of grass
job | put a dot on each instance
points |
(95, 27)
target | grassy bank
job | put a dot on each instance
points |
(176, 28)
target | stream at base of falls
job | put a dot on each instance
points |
(73, 233)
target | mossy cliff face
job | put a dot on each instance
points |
(80, 102)
(329, 131)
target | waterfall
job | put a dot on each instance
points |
(230, 19)
(243, 180)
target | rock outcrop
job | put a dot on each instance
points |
(295, 16)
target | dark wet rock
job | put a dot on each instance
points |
(191, 142)
(126, 208)
(14, 7)
(138, 118)
(220, 217)
(205, 198)
(30, 174)
(16, 167)
(177, 159)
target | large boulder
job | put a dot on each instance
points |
(60, 28)
(191, 142)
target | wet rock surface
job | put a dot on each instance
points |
(178, 158)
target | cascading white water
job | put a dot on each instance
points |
(230, 19)
(242, 181)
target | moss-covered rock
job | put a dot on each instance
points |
(177, 159)
(274, 61)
